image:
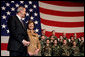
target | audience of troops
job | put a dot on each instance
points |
(62, 46)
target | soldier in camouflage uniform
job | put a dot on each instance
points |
(76, 39)
(65, 49)
(64, 37)
(71, 41)
(60, 41)
(47, 49)
(52, 37)
(81, 46)
(55, 48)
(75, 50)
(53, 34)
(43, 33)
(42, 41)
(51, 40)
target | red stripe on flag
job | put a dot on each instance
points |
(64, 3)
(60, 13)
(4, 46)
(62, 24)
(67, 34)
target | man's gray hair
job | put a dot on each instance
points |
(20, 8)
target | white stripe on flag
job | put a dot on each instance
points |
(62, 29)
(4, 53)
(4, 39)
(61, 19)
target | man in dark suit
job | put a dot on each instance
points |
(19, 39)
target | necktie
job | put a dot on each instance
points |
(22, 23)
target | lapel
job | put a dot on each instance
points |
(21, 23)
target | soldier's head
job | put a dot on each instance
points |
(53, 32)
(72, 38)
(47, 41)
(55, 41)
(30, 25)
(82, 38)
(75, 35)
(64, 34)
(64, 42)
(21, 11)
(43, 31)
(61, 37)
(52, 38)
(42, 37)
(74, 43)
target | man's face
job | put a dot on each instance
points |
(61, 37)
(43, 37)
(75, 34)
(64, 34)
(52, 38)
(43, 31)
(64, 41)
(47, 41)
(82, 38)
(53, 33)
(55, 41)
(23, 12)
(72, 38)
(74, 43)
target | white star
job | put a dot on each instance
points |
(7, 4)
(27, 14)
(32, 17)
(35, 14)
(30, 2)
(8, 13)
(36, 30)
(7, 31)
(36, 22)
(17, 5)
(30, 10)
(12, 1)
(26, 6)
(21, 2)
(34, 6)
(3, 8)
(3, 26)
(27, 22)
(12, 9)
(4, 17)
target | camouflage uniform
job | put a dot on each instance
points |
(65, 50)
(48, 50)
(60, 42)
(51, 40)
(56, 50)
(70, 44)
(75, 51)
(81, 47)
(42, 47)
(65, 38)
(54, 37)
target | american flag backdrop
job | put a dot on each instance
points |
(61, 16)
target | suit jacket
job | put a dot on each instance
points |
(17, 34)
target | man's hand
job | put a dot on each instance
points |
(25, 43)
